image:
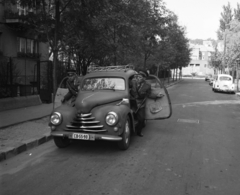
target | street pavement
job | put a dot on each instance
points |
(15, 140)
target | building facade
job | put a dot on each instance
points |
(200, 56)
(21, 52)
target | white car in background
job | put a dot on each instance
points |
(223, 82)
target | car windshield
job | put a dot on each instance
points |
(103, 84)
(224, 78)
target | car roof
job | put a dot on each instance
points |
(124, 71)
(224, 75)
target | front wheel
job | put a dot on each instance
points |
(61, 142)
(125, 142)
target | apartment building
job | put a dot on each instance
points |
(200, 55)
(24, 57)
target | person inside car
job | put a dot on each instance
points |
(140, 91)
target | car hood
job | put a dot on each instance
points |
(86, 101)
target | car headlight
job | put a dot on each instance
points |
(56, 118)
(111, 118)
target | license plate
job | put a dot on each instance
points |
(80, 136)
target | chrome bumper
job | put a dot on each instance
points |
(92, 135)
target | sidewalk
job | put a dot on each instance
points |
(15, 140)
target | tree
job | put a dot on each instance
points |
(111, 32)
(233, 43)
(227, 17)
(215, 60)
(237, 12)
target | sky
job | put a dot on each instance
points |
(200, 17)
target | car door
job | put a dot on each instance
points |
(61, 92)
(157, 108)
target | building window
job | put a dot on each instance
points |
(191, 64)
(197, 64)
(27, 45)
(24, 10)
(21, 10)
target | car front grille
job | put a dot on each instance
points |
(85, 123)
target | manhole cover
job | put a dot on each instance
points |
(188, 121)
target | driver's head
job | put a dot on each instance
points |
(142, 75)
(71, 73)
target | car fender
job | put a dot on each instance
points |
(100, 113)
(67, 112)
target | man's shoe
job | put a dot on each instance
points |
(140, 134)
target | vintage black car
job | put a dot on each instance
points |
(104, 108)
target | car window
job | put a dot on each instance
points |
(103, 84)
(224, 78)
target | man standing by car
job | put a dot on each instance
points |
(140, 91)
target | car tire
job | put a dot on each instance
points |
(61, 142)
(126, 135)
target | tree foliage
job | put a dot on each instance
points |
(110, 32)
(229, 31)
(226, 18)
(237, 12)
(233, 42)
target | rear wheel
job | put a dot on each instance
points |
(61, 142)
(125, 142)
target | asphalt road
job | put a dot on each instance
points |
(195, 152)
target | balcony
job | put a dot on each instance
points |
(28, 55)
(15, 21)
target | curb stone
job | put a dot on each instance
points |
(23, 146)
(34, 142)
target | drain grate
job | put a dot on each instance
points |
(188, 121)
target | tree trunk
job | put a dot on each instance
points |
(168, 75)
(55, 47)
(238, 72)
(145, 61)
(164, 70)
(174, 74)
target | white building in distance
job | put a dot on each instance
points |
(200, 55)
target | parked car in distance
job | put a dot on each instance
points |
(208, 77)
(212, 79)
(104, 109)
(224, 83)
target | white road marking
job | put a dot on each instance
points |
(188, 121)
(215, 102)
